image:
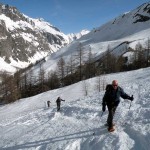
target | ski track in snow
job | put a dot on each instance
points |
(79, 125)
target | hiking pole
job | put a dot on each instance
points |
(130, 104)
(102, 113)
(128, 110)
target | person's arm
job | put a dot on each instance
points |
(125, 96)
(104, 99)
(104, 102)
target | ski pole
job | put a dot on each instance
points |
(129, 110)
(130, 104)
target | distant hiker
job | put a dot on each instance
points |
(58, 101)
(48, 103)
(112, 99)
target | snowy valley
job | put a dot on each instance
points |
(28, 124)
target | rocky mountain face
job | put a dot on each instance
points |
(24, 39)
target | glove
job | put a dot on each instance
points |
(131, 98)
(103, 107)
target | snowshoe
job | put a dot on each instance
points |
(111, 129)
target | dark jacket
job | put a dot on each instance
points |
(58, 101)
(112, 97)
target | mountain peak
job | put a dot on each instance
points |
(75, 36)
(23, 40)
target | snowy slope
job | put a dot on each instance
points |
(29, 125)
(117, 47)
(119, 34)
(125, 25)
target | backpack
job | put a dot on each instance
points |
(108, 97)
(108, 87)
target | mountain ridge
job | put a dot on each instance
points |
(25, 39)
(130, 28)
(120, 35)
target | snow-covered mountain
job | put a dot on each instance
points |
(23, 40)
(75, 36)
(28, 124)
(126, 30)
(125, 25)
(120, 34)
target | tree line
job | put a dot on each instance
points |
(79, 66)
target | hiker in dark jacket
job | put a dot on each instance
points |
(58, 101)
(112, 99)
(48, 103)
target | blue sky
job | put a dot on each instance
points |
(71, 16)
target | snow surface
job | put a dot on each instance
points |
(29, 125)
(6, 67)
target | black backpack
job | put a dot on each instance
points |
(108, 87)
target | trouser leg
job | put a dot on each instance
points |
(58, 107)
(111, 112)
